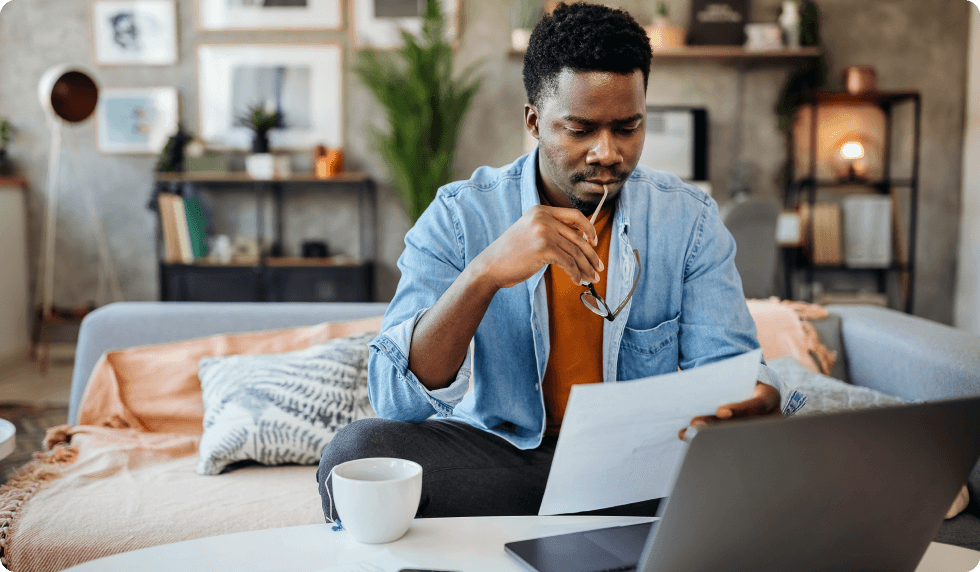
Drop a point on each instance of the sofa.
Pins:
(893, 353)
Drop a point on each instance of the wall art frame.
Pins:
(230, 15)
(136, 120)
(369, 30)
(134, 32)
(304, 82)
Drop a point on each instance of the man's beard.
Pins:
(589, 207)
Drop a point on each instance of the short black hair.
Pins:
(584, 37)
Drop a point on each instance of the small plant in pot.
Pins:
(262, 119)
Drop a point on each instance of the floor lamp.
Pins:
(69, 96)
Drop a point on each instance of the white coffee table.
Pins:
(8, 438)
(463, 544)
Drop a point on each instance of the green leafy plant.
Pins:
(425, 106)
(261, 119)
(5, 132)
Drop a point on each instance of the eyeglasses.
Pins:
(594, 301)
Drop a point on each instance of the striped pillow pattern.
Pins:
(282, 408)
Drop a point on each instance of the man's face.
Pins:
(590, 132)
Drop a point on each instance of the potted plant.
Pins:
(261, 119)
(6, 168)
(425, 106)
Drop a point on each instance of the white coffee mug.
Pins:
(377, 498)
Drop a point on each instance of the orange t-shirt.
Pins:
(574, 330)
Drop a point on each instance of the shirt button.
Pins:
(537, 386)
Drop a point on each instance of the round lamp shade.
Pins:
(68, 92)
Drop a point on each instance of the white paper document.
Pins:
(618, 441)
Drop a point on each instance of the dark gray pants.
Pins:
(465, 471)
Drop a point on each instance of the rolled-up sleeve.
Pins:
(432, 260)
(715, 320)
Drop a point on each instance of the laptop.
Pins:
(860, 490)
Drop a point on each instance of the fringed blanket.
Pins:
(112, 490)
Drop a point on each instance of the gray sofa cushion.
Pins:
(829, 331)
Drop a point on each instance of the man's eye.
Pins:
(578, 132)
(628, 130)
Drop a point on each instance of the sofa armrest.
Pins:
(129, 324)
(907, 356)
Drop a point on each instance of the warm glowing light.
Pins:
(852, 150)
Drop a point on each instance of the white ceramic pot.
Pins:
(377, 498)
(260, 166)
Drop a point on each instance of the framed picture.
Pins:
(376, 23)
(269, 14)
(304, 83)
(136, 120)
(142, 32)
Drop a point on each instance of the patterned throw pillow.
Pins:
(282, 408)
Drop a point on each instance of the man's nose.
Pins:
(604, 151)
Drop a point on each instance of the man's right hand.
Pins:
(544, 235)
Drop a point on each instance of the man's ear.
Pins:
(531, 118)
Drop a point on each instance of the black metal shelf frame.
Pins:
(807, 186)
(269, 282)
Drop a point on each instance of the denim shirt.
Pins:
(688, 309)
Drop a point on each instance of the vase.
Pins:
(260, 166)
(6, 166)
(260, 143)
(664, 35)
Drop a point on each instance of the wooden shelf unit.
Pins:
(275, 278)
(723, 54)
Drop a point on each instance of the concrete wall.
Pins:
(913, 44)
(968, 268)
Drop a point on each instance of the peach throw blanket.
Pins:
(155, 388)
(128, 490)
(125, 477)
(783, 332)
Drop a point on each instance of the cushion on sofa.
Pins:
(280, 409)
(155, 388)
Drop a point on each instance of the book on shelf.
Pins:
(197, 225)
(176, 231)
(168, 224)
(183, 233)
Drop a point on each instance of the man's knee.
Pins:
(359, 440)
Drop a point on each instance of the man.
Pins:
(501, 260)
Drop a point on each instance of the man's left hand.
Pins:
(764, 401)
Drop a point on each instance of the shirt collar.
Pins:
(529, 182)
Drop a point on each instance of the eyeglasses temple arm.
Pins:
(636, 253)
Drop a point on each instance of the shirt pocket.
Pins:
(643, 353)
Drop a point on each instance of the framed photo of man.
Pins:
(376, 23)
(302, 82)
(135, 32)
(269, 14)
